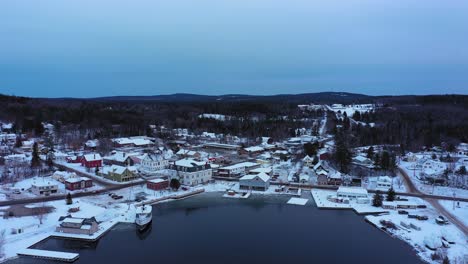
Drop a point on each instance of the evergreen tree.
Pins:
(446, 260)
(19, 142)
(174, 184)
(461, 170)
(377, 199)
(370, 152)
(35, 161)
(385, 160)
(391, 194)
(342, 153)
(69, 199)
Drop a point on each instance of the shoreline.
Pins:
(215, 189)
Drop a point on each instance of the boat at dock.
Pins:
(143, 217)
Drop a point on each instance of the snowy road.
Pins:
(433, 201)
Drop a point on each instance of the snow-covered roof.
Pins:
(260, 170)
(92, 157)
(384, 179)
(157, 180)
(189, 163)
(353, 190)
(119, 169)
(307, 158)
(254, 149)
(76, 179)
(240, 165)
(262, 176)
(73, 220)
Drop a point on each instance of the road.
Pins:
(433, 200)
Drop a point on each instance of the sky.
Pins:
(89, 48)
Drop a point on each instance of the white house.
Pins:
(152, 163)
(433, 169)
(44, 188)
(308, 161)
(237, 170)
(191, 172)
(384, 183)
(351, 192)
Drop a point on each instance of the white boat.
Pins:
(144, 216)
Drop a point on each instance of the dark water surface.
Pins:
(211, 229)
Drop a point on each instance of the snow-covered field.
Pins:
(33, 231)
(460, 211)
(7, 190)
(431, 189)
(414, 237)
(350, 109)
(429, 228)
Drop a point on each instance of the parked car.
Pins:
(402, 212)
(422, 206)
(422, 217)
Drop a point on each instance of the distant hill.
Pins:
(324, 97)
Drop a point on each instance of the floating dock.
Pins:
(49, 255)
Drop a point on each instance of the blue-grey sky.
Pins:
(87, 48)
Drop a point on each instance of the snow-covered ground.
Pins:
(460, 210)
(371, 184)
(320, 198)
(430, 189)
(33, 231)
(429, 228)
(414, 237)
(91, 172)
(350, 109)
(7, 190)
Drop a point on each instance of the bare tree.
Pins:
(40, 212)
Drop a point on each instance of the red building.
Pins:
(78, 183)
(157, 184)
(91, 160)
(74, 159)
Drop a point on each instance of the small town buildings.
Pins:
(319, 166)
(185, 153)
(308, 161)
(433, 170)
(44, 188)
(267, 170)
(137, 141)
(361, 160)
(253, 150)
(351, 192)
(152, 163)
(191, 172)
(384, 183)
(120, 158)
(335, 178)
(61, 176)
(322, 178)
(304, 178)
(120, 173)
(157, 184)
(78, 183)
(237, 170)
(78, 226)
(91, 160)
(257, 182)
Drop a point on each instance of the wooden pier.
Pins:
(49, 255)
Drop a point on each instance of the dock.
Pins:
(49, 255)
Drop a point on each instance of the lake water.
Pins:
(211, 229)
